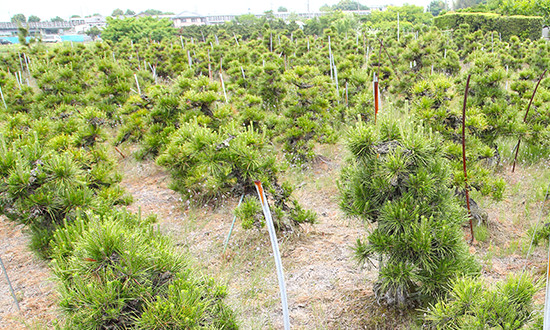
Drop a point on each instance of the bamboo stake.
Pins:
(389, 57)
(276, 254)
(9, 284)
(464, 159)
(120, 152)
(525, 119)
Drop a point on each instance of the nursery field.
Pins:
(128, 170)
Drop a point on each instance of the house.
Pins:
(187, 18)
(82, 25)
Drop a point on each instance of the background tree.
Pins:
(129, 12)
(436, 6)
(22, 35)
(152, 12)
(34, 19)
(460, 4)
(57, 19)
(138, 29)
(19, 18)
(282, 10)
(344, 5)
(93, 32)
(117, 12)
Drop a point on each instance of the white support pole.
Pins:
(223, 87)
(137, 83)
(242, 72)
(276, 254)
(397, 27)
(3, 101)
(546, 324)
(331, 61)
(189, 60)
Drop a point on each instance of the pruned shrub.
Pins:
(208, 165)
(116, 272)
(398, 178)
(472, 304)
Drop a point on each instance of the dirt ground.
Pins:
(30, 278)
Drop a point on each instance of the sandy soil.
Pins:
(29, 277)
(324, 284)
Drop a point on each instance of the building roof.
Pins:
(187, 14)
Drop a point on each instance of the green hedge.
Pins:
(521, 26)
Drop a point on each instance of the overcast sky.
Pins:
(46, 9)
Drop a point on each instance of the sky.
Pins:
(46, 9)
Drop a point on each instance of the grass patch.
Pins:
(481, 233)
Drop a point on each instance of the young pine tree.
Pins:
(398, 178)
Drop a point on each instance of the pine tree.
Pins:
(398, 178)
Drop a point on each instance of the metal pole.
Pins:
(232, 225)
(276, 254)
(137, 83)
(9, 284)
(3, 101)
(546, 324)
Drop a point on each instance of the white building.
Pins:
(188, 18)
(82, 25)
